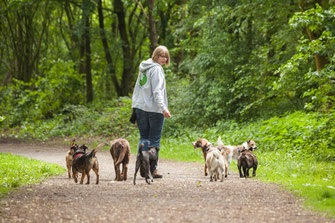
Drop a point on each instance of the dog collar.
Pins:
(77, 155)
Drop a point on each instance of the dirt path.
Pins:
(183, 195)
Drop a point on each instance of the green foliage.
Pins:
(16, 171)
(43, 97)
(109, 118)
(298, 74)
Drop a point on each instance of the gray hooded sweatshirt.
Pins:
(150, 92)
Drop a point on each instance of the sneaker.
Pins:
(155, 174)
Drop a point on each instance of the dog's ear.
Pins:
(72, 142)
(248, 141)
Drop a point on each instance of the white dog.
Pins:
(216, 164)
(233, 152)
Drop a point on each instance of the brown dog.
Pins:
(83, 163)
(120, 151)
(204, 145)
(246, 161)
(233, 152)
(69, 158)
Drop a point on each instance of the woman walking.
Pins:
(149, 101)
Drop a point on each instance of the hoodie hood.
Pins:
(147, 64)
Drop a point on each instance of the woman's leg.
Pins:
(143, 125)
(156, 122)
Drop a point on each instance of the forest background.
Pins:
(240, 69)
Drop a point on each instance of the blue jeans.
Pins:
(150, 125)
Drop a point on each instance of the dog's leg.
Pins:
(244, 171)
(68, 169)
(118, 174)
(254, 170)
(221, 173)
(239, 166)
(75, 175)
(149, 179)
(205, 169)
(124, 171)
(210, 175)
(229, 161)
(88, 177)
(247, 174)
(137, 166)
(82, 177)
(96, 171)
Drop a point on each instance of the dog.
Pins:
(120, 151)
(233, 152)
(216, 164)
(83, 163)
(69, 156)
(246, 161)
(146, 161)
(204, 145)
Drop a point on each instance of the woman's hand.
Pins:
(166, 114)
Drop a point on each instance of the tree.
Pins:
(24, 25)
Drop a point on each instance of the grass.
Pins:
(16, 171)
(312, 180)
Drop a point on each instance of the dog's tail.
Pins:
(140, 150)
(92, 153)
(122, 154)
(219, 142)
(101, 145)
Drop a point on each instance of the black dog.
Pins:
(146, 161)
(83, 163)
(247, 160)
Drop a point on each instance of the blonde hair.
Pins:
(161, 51)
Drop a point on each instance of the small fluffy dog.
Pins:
(233, 152)
(246, 161)
(146, 160)
(83, 163)
(69, 158)
(204, 145)
(216, 164)
(120, 151)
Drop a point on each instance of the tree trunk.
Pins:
(127, 75)
(106, 49)
(152, 27)
(87, 51)
(320, 60)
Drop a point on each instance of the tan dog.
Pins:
(120, 151)
(69, 158)
(204, 145)
(217, 166)
(233, 152)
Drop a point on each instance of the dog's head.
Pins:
(83, 148)
(73, 149)
(250, 145)
(153, 150)
(201, 143)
